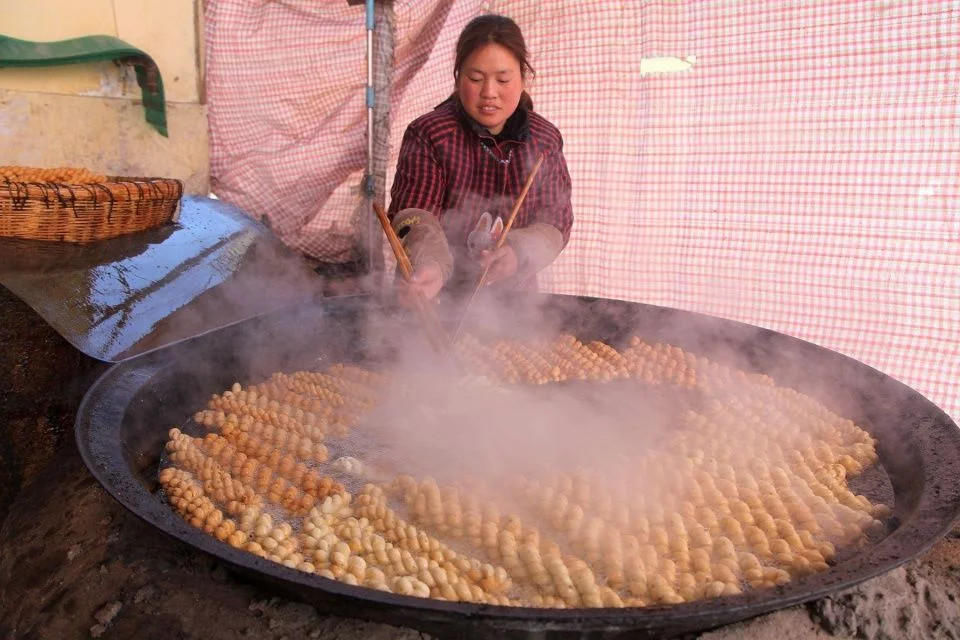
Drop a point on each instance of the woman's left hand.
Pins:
(503, 263)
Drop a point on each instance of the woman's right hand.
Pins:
(427, 281)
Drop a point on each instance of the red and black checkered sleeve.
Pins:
(553, 202)
(420, 181)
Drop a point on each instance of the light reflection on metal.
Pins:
(119, 297)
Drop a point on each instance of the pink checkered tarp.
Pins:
(802, 175)
(287, 110)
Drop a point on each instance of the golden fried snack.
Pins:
(277, 477)
(67, 175)
(659, 363)
(254, 408)
(235, 494)
(371, 504)
(189, 500)
(532, 562)
(347, 545)
(243, 429)
(748, 492)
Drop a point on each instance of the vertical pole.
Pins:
(371, 240)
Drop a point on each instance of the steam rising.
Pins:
(538, 465)
(452, 428)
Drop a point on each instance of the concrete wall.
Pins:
(90, 114)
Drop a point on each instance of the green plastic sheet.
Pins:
(24, 53)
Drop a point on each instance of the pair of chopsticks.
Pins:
(438, 338)
(503, 237)
(436, 335)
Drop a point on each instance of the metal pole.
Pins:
(372, 237)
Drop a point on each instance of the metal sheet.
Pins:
(119, 297)
(121, 428)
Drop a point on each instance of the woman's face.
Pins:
(489, 85)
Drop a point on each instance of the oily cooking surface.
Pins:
(675, 479)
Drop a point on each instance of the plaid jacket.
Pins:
(454, 168)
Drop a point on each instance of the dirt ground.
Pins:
(75, 564)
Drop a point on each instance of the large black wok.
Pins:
(123, 421)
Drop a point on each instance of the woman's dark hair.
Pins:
(494, 29)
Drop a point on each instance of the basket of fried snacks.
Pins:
(67, 204)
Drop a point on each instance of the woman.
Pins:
(471, 155)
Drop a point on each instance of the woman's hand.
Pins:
(503, 263)
(427, 281)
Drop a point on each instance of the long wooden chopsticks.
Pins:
(503, 237)
(435, 333)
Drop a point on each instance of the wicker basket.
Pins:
(87, 212)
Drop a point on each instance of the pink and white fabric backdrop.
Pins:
(803, 175)
(287, 109)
